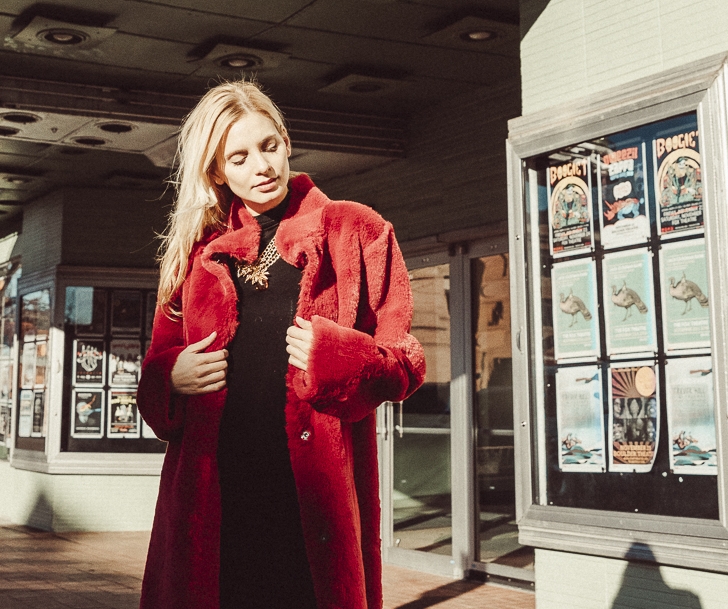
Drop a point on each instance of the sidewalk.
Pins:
(41, 570)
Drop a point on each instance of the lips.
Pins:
(267, 184)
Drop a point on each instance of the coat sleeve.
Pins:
(162, 410)
(350, 372)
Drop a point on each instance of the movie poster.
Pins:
(575, 314)
(88, 413)
(41, 363)
(125, 362)
(691, 415)
(579, 417)
(126, 312)
(25, 413)
(685, 297)
(27, 365)
(678, 184)
(148, 432)
(633, 416)
(123, 415)
(38, 430)
(624, 217)
(5, 422)
(88, 363)
(570, 208)
(629, 311)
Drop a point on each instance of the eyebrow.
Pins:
(262, 143)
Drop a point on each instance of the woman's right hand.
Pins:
(196, 372)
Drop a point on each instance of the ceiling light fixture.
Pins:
(116, 127)
(8, 131)
(21, 118)
(89, 141)
(63, 36)
(17, 180)
(241, 61)
(478, 35)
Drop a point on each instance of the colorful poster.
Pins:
(576, 318)
(126, 311)
(41, 363)
(123, 415)
(629, 311)
(685, 298)
(5, 422)
(125, 362)
(25, 413)
(88, 413)
(633, 416)
(88, 364)
(580, 420)
(678, 184)
(570, 208)
(38, 415)
(148, 432)
(691, 415)
(27, 365)
(624, 217)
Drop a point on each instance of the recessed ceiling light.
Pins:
(240, 61)
(22, 118)
(365, 87)
(89, 141)
(63, 36)
(17, 180)
(116, 127)
(477, 35)
(7, 131)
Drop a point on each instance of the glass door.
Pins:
(415, 439)
(496, 529)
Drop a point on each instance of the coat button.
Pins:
(305, 435)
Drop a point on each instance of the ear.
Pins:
(216, 176)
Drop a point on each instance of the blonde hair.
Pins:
(200, 204)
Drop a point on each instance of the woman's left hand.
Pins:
(299, 339)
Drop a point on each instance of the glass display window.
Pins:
(617, 222)
(107, 331)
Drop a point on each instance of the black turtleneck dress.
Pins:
(263, 563)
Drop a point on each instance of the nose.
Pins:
(259, 162)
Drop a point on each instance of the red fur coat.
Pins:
(355, 289)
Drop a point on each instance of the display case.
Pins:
(83, 335)
(618, 213)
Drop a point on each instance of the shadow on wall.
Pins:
(643, 585)
(41, 514)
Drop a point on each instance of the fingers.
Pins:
(203, 344)
(304, 323)
(298, 363)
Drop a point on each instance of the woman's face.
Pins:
(254, 162)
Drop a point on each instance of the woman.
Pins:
(282, 323)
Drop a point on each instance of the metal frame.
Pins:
(701, 86)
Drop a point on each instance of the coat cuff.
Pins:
(160, 408)
(348, 373)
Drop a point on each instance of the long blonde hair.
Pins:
(200, 204)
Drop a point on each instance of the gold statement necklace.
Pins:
(257, 271)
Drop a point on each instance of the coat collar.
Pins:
(299, 234)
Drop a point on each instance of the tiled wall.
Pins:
(580, 47)
(576, 580)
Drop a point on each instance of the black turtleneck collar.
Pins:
(270, 220)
